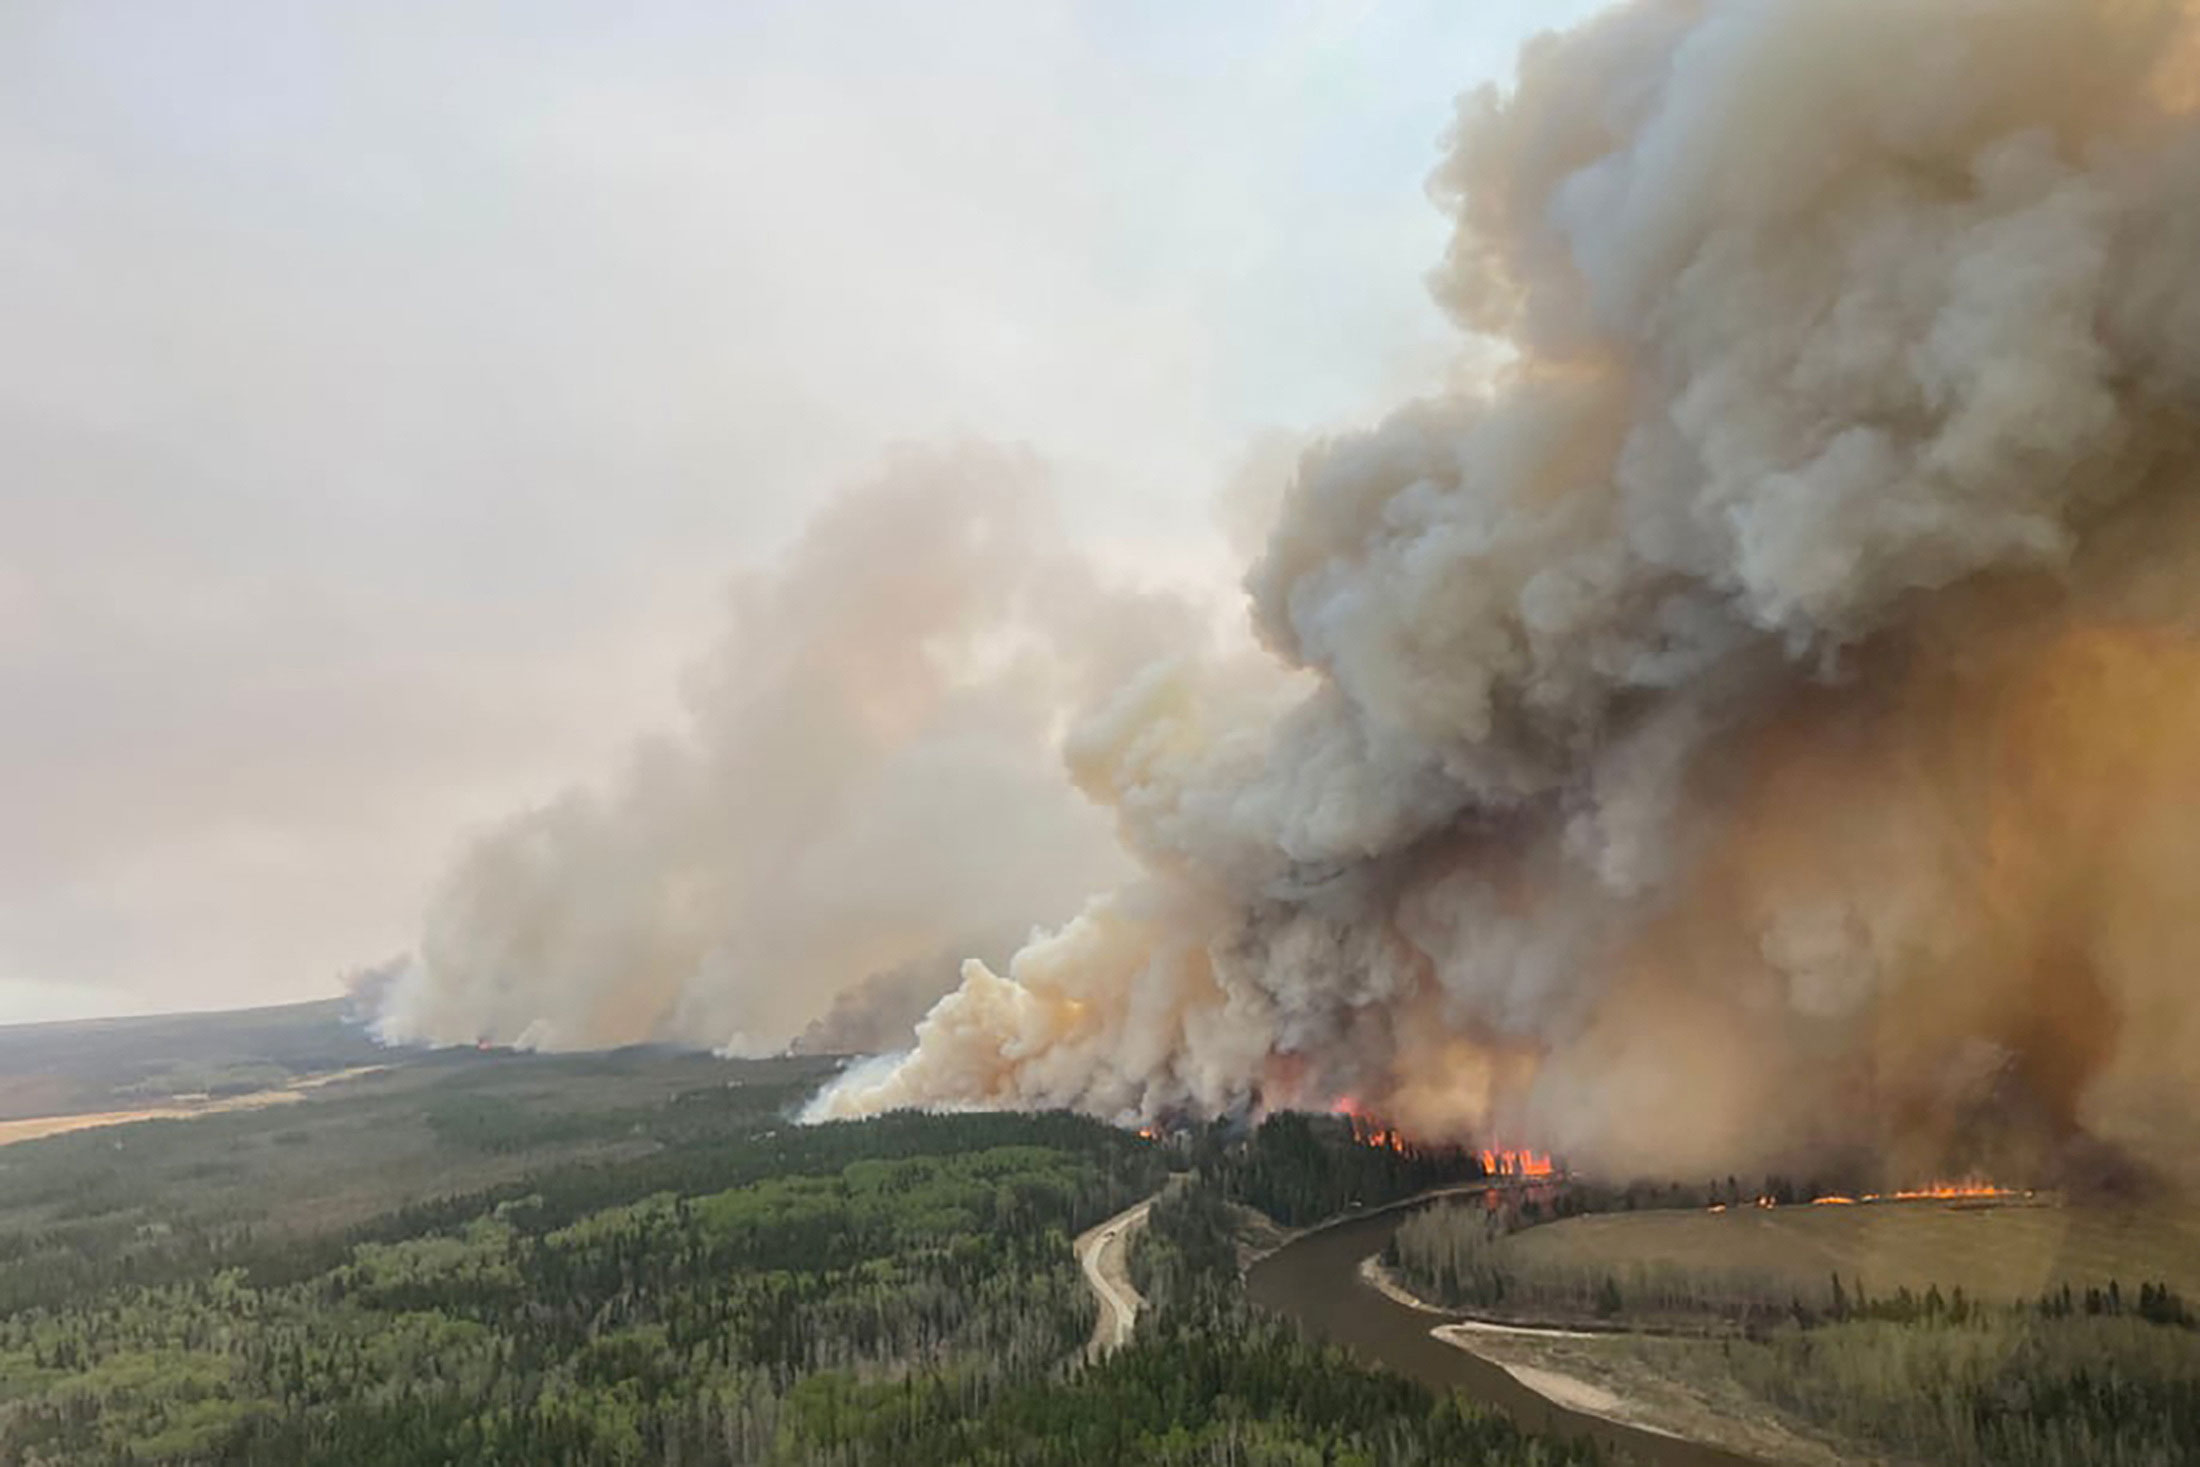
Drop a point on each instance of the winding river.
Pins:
(1315, 1282)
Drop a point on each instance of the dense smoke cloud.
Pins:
(868, 777)
(1759, 723)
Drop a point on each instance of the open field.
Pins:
(1994, 1252)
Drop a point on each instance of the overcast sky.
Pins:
(388, 389)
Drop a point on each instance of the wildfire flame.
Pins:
(1946, 1191)
(1969, 1188)
(1497, 1161)
(1366, 1128)
(1503, 1161)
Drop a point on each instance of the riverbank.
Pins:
(1315, 1283)
(1481, 1337)
(1261, 1235)
(1616, 1376)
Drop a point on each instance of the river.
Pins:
(1315, 1282)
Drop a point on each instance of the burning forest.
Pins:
(1752, 726)
(1756, 724)
(1496, 1161)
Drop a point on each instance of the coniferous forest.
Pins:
(637, 1258)
(641, 1257)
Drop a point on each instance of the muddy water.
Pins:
(1315, 1283)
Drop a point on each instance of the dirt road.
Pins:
(1104, 1253)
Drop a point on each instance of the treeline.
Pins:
(1300, 1169)
(2001, 1386)
(1452, 1255)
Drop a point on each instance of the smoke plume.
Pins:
(867, 776)
(1764, 720)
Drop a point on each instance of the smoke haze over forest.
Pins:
(1728, 698)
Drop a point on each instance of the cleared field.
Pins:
(2006, 1251)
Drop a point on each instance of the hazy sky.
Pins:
(387, 390)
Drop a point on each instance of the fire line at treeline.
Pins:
(1497, 1161)
(1529, 1165)
(1369, 1130)
(1526, 1164)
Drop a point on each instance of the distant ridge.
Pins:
(74, 1066)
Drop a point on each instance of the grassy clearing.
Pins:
(2006, 1253)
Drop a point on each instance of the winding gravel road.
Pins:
(1104, 1253)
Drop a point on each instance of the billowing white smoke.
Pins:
(868, 779)
(1616, 788)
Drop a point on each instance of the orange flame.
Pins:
(1497, 1161)
(1374, 1133)
(1366, 1129)
(1502, 1161)
(1949, 1191)
(1968, 1188)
